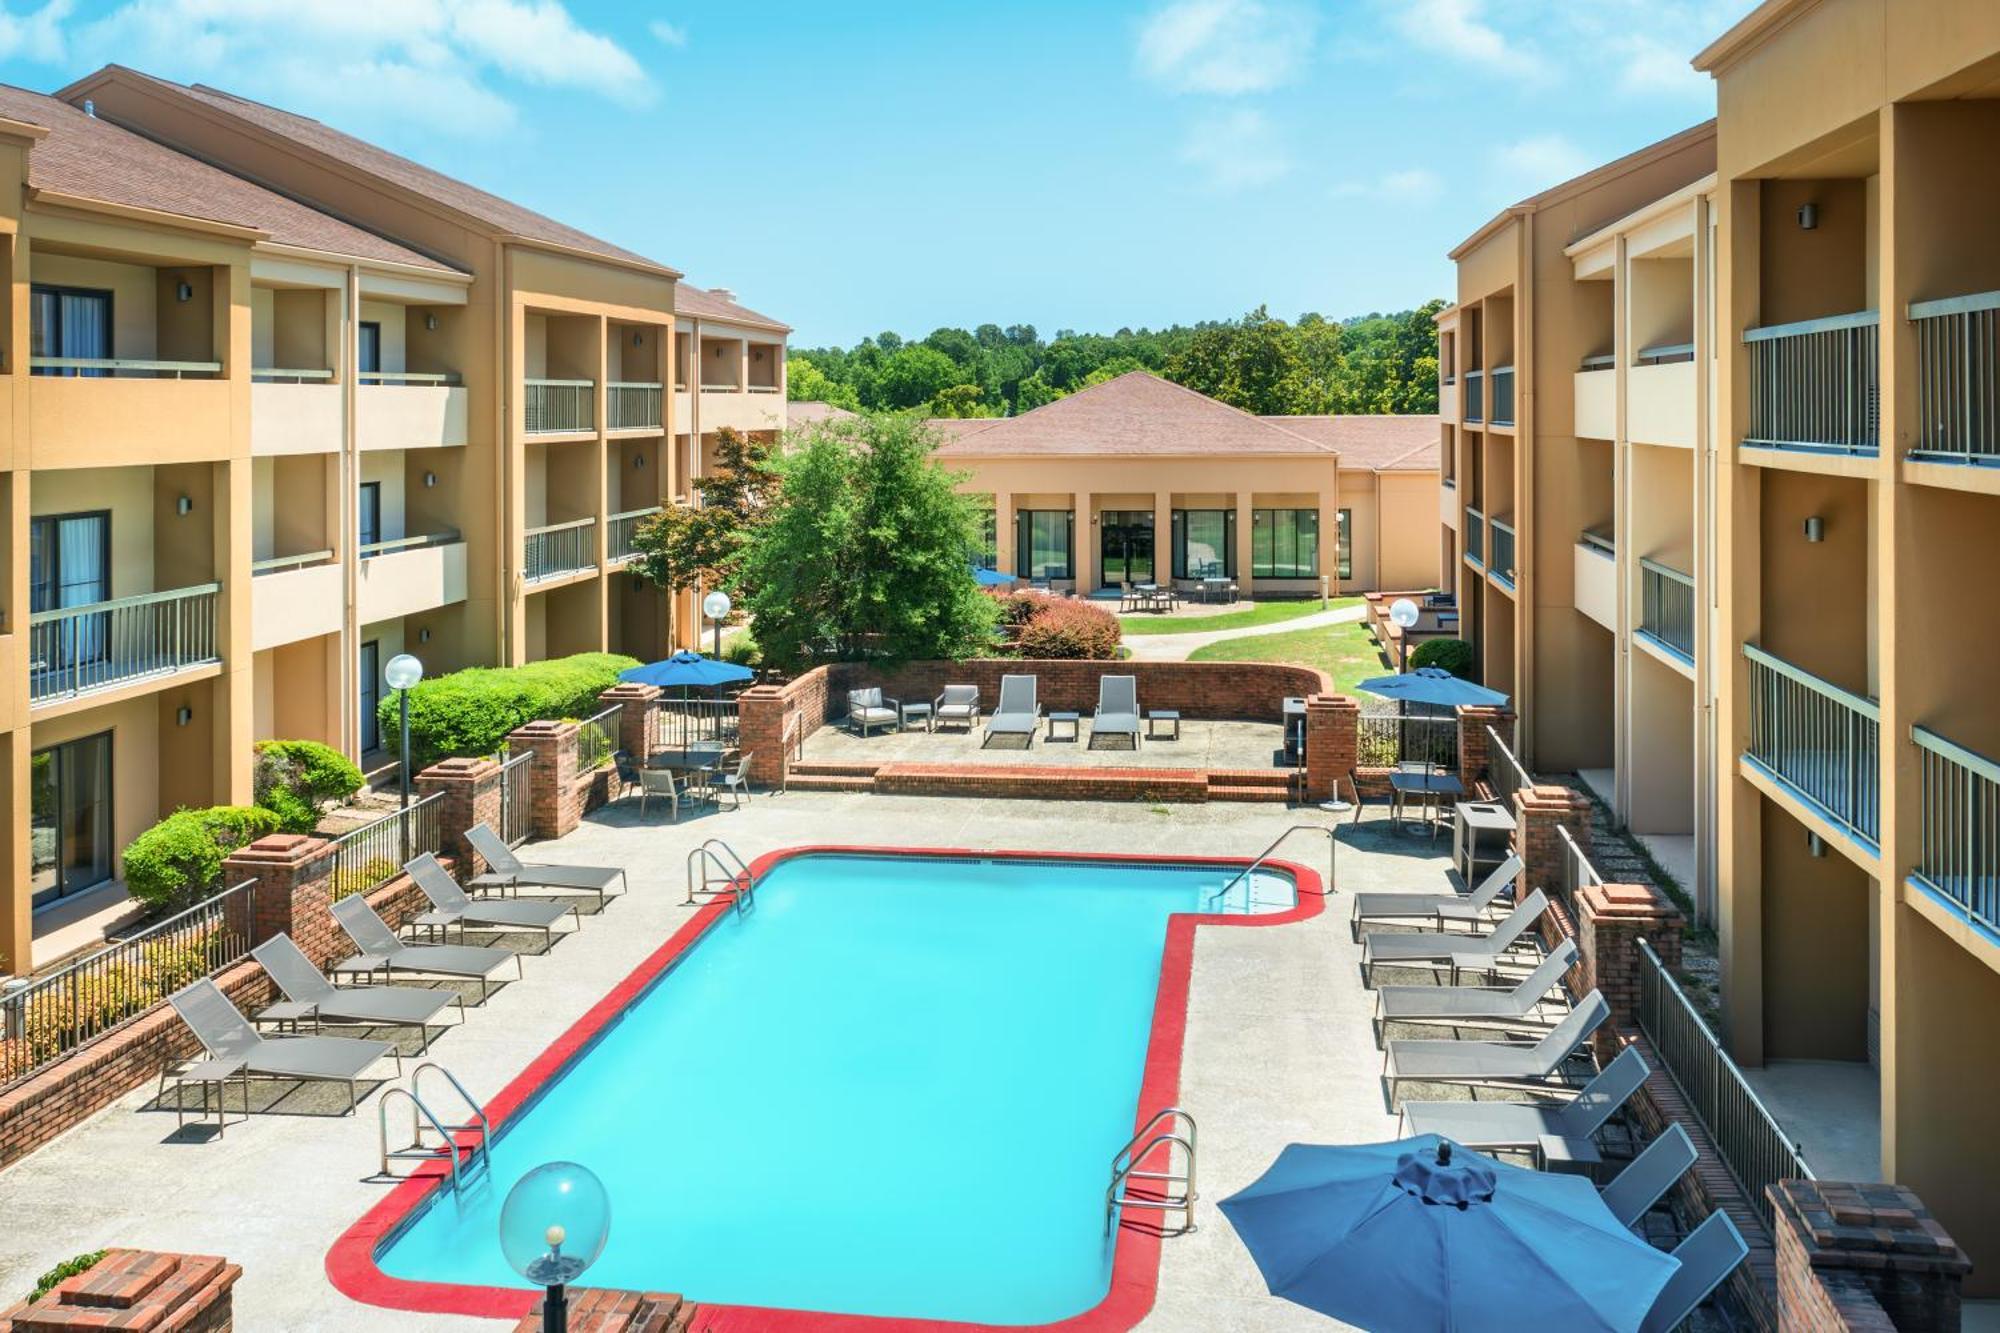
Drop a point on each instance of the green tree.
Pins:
(684, 546)
(961, 400)
(805, 382)
(1034, 391)
(911, 376)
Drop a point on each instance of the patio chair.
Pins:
(867, 708)
(660, 784)
(1647, 1177)
(1476, 1006)
(1438, 907)
(1128, 597)
(227, 1035)
(381, 950)
(1531, 1126)
(628, 773)
(308, 994)
(1493, 1062)
(958, 703)
(737, 784)
(1018, 714)
(1708, 1256)
(1117, 712)
(1440, 950)
(450, 907)
(507, 870)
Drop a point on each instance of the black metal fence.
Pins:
(516, 800)
(1386, 740)
(679, 723)
(368, 857)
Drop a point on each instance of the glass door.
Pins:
(1126, 543)
(369, 347)
(69, 565)
(68, 323)
(69, 819)
(371, 514)
(371, 694)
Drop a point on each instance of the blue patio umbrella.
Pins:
(1433, 685)
(991, 578)
(1424, 1236)
(687, 670)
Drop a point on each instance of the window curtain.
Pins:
(1204, 543)
(1044, 543)
(1284, 543)
(81, 579)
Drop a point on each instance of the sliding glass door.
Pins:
(1045, 543)
(69, 323)
(69, 565)
(1204, 543)
(371, 694)
(69, 820)
(1126, 540)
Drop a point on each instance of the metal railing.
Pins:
(279, 564)
(632, 405)
(596, 738)
(1386, 740)
(1475, 537)
(1504, 773)
(1165, 1189)
(1601, 361)
(1502, 561)
(1815, 384)
(1666, 607)
(1475, 395)
(1745, 1133)
(560, 548)
(1958, 378)
(407, 377)
(680, 723)
(369, 550)
(1603, 544)
(560, 405)
(106, 367)
(620, 530)
(77, 649)
(762, 388)
(1961, 841)
(1818, 739)
(280, 375)
(47, 1017)
(1666, 354)
(1577, 871)
(517, 810)
(1503, 396)
(366, 858)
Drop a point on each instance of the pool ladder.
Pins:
(1332, 859)
(423, 1118)
(708, 872)
(1172, 1191)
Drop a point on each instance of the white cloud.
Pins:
(1529, 166)
(1236, 150)
(36, 35)
(1414, 185)
(1226, 47)
(538, 41)
(1460, 30)
(668, 34)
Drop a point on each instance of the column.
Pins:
(137, 1289)
(1085, 566)
(1538, 813)
(17, 922)
(1329, 531)
(760, 731)
(555, 797)
(471, 790)
(1163, 538)
(1475, 760)
(1005, 557)
(293, 894)
(601, 488)
(1611, 919)
(635, 720)
(1243, 579)
(1333, 725)
(1863, 1257)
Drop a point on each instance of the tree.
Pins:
(961, 400)
(911, 376)
(805, 382)
(1033, 392)
(866, 551)
(685, 546)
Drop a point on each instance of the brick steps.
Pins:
(1250, 785)
(822, 769)
(829, 782)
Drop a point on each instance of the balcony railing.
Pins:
(369, 550)
(1475, 538)
(95, 367)
(1502, 562)
(1961, 844)
(1504, 772)
(406, 377)
(1814, 385)
(82, 648)
(1503, 396)
(1475, 395)
(1600, 543)
(1822, 742)
(631, 405)
(762, 388)
(560, 405)
(1666, 608)
(620, 529)
(560, 548)
(1666, 354)
(279, 564)
(280, 375)
(1958, 378)
(1602, 361)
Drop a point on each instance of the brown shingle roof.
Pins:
(94, 159)
(1137, 414)
(811, 411)
(957, 428)
(1380, 443)
(704, 304)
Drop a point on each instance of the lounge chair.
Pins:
(1708, 1256)
(1117, 712)
(382, 951)
(450, 907)
(308, 994)
(1476, 1006)
(1440, 950)
(867, 708)
(1531, 1126)
(508, 870)
(1647, 1177)
(958, 703)
(229, 1037)
(1018, 714)
(1438, 908)
(1496, 1062)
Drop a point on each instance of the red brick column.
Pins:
(555, 796)
(293, 894)
(594, 1310)
(636, 726)
(1474, 762)
(1610, 921)
(1333, 740)
(760, 725)
(138, 1289)
(1864, 1257)
(471, 790)
(1538, 813)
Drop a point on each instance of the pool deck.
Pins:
(1279, 1049)
(1202, 745)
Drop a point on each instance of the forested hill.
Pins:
(1369, 364)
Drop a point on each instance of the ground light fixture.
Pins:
(716, 606)
(553, 1226)
(402, 674)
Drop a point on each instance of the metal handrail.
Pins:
(1125, 1167)
(1577, 869)
(175, 368)
(1599, 543)
(1601, 361)
(121, 603)
(1512, 777)
(761, 388)
(623, 384)
(1860, 319)
(1666, 354)
(1332, 859)
(380, 377)
(274, 374)
(278, 562)
(420, 1111)
(561, 527)
(1500, 554)
(1955, 305)
(1859, 703)
(448, 537)
(738, 882)
(635, 513)
(721, 388)
(1646, 562)
(561, 384)
(1960, 857)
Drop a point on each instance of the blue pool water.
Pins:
(893, 1088)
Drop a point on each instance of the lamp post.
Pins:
(553, 1226)
(402, 674)
(716, 606)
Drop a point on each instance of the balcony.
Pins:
(634, 405)
(1666, 609)
(409, 575)
(1448, 502)
(1960, 863)
(409, 410)
(1501, 563)
(1596, 579)
(1475, 538)
(1597, 399)
(1659, 396)
(558, 407)
(1820, 742)
(1503, 395)
(1958, 379)
(91, 412)
(559, 549)
(1475, 396)
(620, 529)
(294, 412)
(294, 597)
(86, 649)
(1814, 385)
(1448, 398)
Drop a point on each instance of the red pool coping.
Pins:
(1135, 1265)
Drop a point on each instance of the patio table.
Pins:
(1072, 720)
(1480, 836)
(1429, 789)
(699, 761)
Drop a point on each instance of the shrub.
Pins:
(1017, 609)
(178, 861)
(1071, 629)
(469, 713)
(1453, 655)
(296, 780)
(68, 1268)
(743, 651)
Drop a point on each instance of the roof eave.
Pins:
(635, 263)
(401, 268)
(153, 216)
(1748, 33)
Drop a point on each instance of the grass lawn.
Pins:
(1344, 652)
(1264, 613)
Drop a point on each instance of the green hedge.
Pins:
(68, 1268)
(178, 861)
(1454, 655)
(296, 780)
(469, 713)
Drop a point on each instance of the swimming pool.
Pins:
(892, 1090)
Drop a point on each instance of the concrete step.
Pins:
(823, 769)
(829, 782)
(1278, 789)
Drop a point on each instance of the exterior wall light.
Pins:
(430, 480)
(424, 634)
(639, 339)
(1815, 529)
(183, 716)
(639, 463)
(184, 506)
(1808, 216)
(184, 292)
(431, 323)
(1815, 844)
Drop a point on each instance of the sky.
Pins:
(882, 164)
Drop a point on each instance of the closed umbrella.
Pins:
(1433, 685)
(689, 671)
(1424, 1236)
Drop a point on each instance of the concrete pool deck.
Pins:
(1279, 1048)
(1201, 745)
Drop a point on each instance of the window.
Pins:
(371, 513)
(69, 322)
(69, 817)
(369, 349)
(371, 694)
(1346, 547)
(1204, 543)
(1045, 543)
(988, 554)
(1284, 543)
(69, 565)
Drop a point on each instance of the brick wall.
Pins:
(1611, 919)
(594, 1310)
(1043, 781)
(1474, 763)
(471, 789)
(1865, 1257)
(1332, 743)
(135, 1289)
(558, 792)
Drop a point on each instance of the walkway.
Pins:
(1177, 647)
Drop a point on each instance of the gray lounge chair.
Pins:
(1650, 1175)
(1018, 714)
(1438, 908)
(1531, 1126)
(1460, 953)
(308, 994)
(1496, 1062)
(958, 703)
(227, 1035)
(450, 907)
(867, 709)
(1708, 1256)
(382, 951)
(1476, 1006)
(508, 870)
(1117, 712)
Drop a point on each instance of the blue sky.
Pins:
(886, 165)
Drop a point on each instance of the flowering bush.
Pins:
(1070, 629)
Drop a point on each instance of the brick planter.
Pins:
(1611, 919)
(592, 1310)
(1864, 1257)
(136, 1289)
